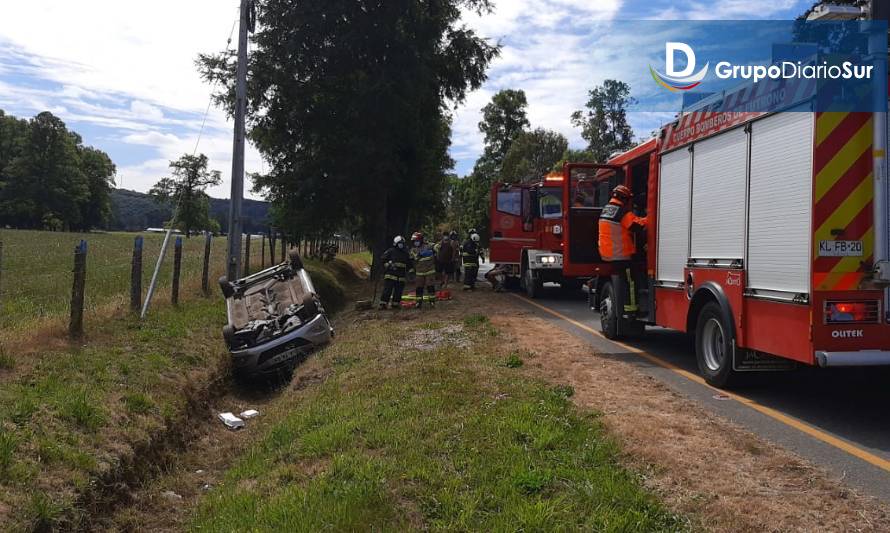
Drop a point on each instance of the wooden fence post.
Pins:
(177, 264)
(246, 268)
(75, 326)
(205, 272)
(262, 251)
(136, 276)
(283, 246)
(271, 245)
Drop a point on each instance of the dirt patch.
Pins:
(309, 379)
(435, 338)
(699, 463)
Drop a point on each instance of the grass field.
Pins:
(427, 424)
(71, 412)
(36, 279)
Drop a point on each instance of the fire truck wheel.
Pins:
(713, 346)
(532, 284)
(608, 312)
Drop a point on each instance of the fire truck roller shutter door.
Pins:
(780, 212)
(719, 174)
(673, 215)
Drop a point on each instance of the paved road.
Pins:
(835, 418)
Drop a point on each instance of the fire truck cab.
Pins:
(533, 236)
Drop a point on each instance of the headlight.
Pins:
(546, 259)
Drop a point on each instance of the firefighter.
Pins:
(472, 255)
(497, 276)
(617, 225)
(397, 262)
(455, 246)
(444, 260)
(424, 258)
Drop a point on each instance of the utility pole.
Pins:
(233, 260)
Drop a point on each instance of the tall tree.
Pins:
(186, 190)
(502, 120)
(604, 124)
(45, 185)
(533, 154)
(349, 105)
(99, 171)
(49, 179)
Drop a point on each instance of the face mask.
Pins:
(417, 244)
(400, 245)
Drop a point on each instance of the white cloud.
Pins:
(127, 66)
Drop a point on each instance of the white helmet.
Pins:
(475, 237)
(399, 241)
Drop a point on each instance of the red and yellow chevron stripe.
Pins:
(843, 194)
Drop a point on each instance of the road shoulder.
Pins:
(700, 463)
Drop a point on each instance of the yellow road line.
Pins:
(799, 425)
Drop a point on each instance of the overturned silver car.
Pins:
(275, 317)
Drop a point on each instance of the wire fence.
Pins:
(37, 269)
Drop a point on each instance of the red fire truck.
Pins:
(546, 231)
(767, 241)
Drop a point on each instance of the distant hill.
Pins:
(135, 211)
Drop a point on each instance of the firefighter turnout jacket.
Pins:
(616, 225)
(397, 262)
(424, 260)
(471, 253)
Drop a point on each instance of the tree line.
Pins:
(49, 179)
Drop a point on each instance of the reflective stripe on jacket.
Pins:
(470, 253)
(397, 263)
(424, 260)
(616, 240)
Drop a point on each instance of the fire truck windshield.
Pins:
(550, 202)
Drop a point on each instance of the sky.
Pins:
(122, 74)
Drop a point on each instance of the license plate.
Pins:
(283, 356)
(840, 249)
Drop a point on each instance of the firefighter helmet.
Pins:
(398, 240)
(417, 237)
(475, 237)
(621, 192)
(473, 232)
(453, 235)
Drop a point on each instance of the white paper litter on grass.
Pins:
(231, 421)
(250, 413)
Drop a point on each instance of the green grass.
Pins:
(36, 278)
(66, 413)
(513, 361)
(443, 440)
(137, 403)
(7, 361)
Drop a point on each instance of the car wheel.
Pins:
(226, 287)
(714, 346)
(228, 332)
(608, 312)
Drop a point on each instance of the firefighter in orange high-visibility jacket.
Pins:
(617, 225)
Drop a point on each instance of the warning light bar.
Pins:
(553, 177)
